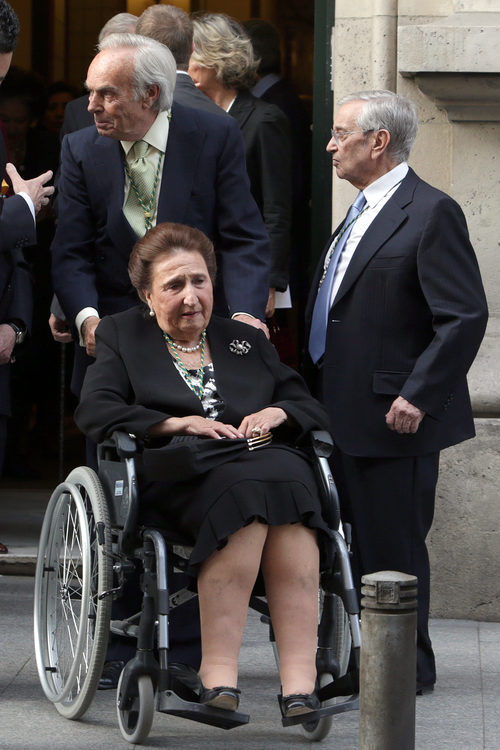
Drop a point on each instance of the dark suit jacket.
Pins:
(203, 185)
(407, 320)
(186, 93)
(76, 116)
(135, 384)
(268, 153)
(283, 96)
(17, 229)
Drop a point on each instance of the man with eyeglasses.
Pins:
(396, 315)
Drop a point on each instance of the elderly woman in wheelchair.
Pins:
(223, 426)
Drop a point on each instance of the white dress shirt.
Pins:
(377, 194)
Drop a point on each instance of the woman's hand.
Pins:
(194, 425)
(262, 421)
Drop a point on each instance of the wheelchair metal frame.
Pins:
(89, 530)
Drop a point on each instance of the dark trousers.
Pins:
(390, 504)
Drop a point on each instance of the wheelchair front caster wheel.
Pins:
(136, 720)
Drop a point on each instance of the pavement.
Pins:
(463, 713)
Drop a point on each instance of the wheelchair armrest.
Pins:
(322, 446)
(321, 443)
(125, 444)
(116, 462)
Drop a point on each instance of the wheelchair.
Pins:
(90, 541)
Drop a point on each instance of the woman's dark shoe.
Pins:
(299, 703)
(227, 698)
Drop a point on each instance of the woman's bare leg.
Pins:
(225, 584)
(290, 564)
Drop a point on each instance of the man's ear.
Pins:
(381, 140)
(151, 95)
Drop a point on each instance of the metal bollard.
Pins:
(388, 661)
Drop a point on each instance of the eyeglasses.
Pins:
(340, 136)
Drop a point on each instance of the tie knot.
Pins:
(359, 202)
(140, 149)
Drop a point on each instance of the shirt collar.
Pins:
(157, 134)
(379, 189)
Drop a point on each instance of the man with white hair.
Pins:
(198, 161)
(76, 114)
(396, 315)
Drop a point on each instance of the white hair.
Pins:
(385, 110)
(153, 64)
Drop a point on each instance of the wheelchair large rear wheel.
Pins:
(71, 620)
(135, 721)
(315, 731)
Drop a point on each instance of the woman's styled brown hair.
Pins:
(164, 240)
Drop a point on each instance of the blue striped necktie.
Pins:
(319, 324)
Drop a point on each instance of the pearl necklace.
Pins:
(185, 349)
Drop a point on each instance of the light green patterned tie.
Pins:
(139, 206)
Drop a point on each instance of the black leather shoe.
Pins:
(425, 688)
(227, 698)
(110, 675)
(185, 674)
(299, 703)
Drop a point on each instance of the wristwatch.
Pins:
(20, 332)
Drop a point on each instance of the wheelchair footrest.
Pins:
(170, 703)
(350, 704)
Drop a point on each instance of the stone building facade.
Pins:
(443, 54)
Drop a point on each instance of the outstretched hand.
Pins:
(35, 188)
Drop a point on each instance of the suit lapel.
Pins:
(317, 276)
(380, 230)
(242, 108)
(184, 145)
(232, 372)
(222, 358)
(108, 162)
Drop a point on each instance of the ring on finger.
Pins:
(257, 431)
